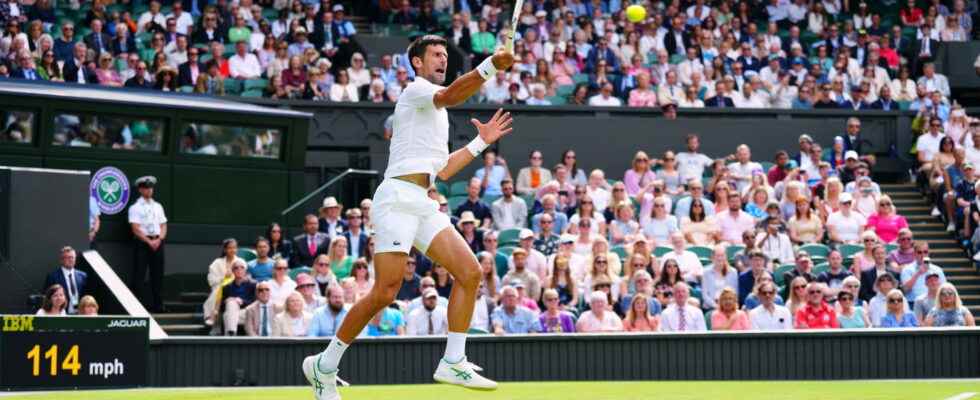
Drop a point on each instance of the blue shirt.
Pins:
(557, 227)
(324, 323)
(497, 174)
(919, 287)
(522, 321)
(908, 321)
(261, 271)
(652, 304)
(751, 302)
(391, 319)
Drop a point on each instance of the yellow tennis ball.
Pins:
(636, 13)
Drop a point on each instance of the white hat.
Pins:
(541, 13)
(566, 238)
(467, 216)
(845, 197)
(338, 7)
(851, 154)
(525, 234)
(429, 292)
(330, 202)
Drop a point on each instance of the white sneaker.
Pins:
(462, 374)
(951, 227)
(324, 384)
(935, 212)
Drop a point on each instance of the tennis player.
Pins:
(404, 216)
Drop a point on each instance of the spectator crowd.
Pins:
(801, 54)
(684, 242)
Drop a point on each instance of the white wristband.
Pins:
(476, 146)
(486, 69)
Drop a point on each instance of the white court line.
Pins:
(963, 396)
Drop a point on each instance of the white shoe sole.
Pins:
(450, 382)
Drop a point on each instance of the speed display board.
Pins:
(72, 352)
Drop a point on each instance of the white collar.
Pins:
(66, 271)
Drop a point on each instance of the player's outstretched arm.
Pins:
(489, 132)
(470, 83)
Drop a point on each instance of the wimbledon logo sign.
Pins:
(110, 189)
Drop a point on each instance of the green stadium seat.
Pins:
(256, 84)
(205, 58)
(703, 252)
(458, 188)
(489, 198)
(442, 188)
(252, 93)
(558, 100)
(849, 250)
(659, 251)
(508, 237)
(529, 202)
(506, 250)
(233, 87)
(580, 78)
(777, 274)
(891, 247)
(732, 250)
(293, 273)
(186, 89)
(707, 318)
(247, 254)
(502, 266)
(818, 252)
(477, 331)
(455, 201)
(620, 250)
(146, 55)
(820, 268)
(564, 90)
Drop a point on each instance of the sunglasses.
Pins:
(922, 252)
(767, 292)
(551, 299)
(600, 261)
(280, 268)
(845, 298)
(667, 294)
(814, 292)
(618, 190)
(947, 293)
(894, 301)
(262, 290)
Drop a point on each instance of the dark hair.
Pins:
(47, 304)
(225, 243)
(944, 141)
(691, 214)
(418, 47)
(574, 168)
(268, 232)
(261, 239)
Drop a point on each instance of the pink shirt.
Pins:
(739, 321)
(641, 98)
(887, 228)
(732, 227)
(634, 182)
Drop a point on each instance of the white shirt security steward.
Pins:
(148, 215)
(421, 132)
(691, 165)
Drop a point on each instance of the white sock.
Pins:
(332, 355)
(455, 347)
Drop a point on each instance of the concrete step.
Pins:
(920, 218)
(184, 307)
(914, 210)
(942, 244)
(898, 187)
(964, 279)
(952, 262)
(906, 195)
(926, 235)
(186, 329)
(950, 271)
(931, 226)
(179, 318)
(968, 289)
(194, 297)
(909, 201)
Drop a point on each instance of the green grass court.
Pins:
(864, 390)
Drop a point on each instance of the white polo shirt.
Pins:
(148, 214)
(928, 144)
(420, 140)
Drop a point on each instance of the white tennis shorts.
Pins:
(403, 216)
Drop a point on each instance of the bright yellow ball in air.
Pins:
(636, 13)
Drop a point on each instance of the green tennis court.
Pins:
(864, 390)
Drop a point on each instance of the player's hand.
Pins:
(496, 127)
(502, 59)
